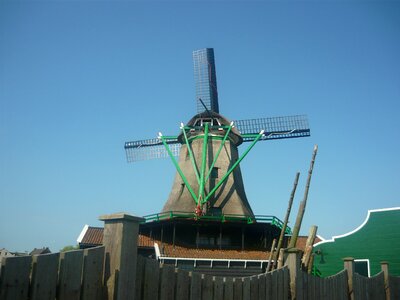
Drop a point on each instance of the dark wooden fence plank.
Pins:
(394, 286)
(207, 287)
(286, 283)
(93, 270)
(246, 288)
(70, 275)
(14, 278)
(141, 261)
(218, 288)
(254, 287)
(274, 284)
(268, 286)
(376, 287)
(301, 286)
(167, 283)
(228, 288)
(195, 286)
(44, 276)
(261, 287)
(183, 279)
(279, 283)
(151, 279)
(238, 289)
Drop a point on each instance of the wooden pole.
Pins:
(385, 270)
(293, 263)
(285, 222)
(349, 266)
(303, 203)
(270, 256)
(309, 247)
(120, 241)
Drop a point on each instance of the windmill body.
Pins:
(230, 197)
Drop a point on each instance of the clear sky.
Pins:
(79, 78)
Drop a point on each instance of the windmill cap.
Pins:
(216, 120)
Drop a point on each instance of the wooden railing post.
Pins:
(349, 266)
(385, 270)
(292, 261)
(120, 241)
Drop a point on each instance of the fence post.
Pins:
(385, 270)
(120, 241)
(349, 266)
(293, 263)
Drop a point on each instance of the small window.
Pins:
(361, 266)
(214, 173)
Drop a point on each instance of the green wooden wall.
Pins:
(378, 239)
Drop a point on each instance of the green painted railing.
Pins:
(221, 218)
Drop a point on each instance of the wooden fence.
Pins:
(165, 282)
(65, 276)
(114, 271)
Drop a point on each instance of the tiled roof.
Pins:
(184, 252)
(91, 236)
(302, 240)
(39, 251)
(94, 236)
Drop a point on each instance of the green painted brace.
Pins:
(190, 153)
(224, 178)
(163, 139)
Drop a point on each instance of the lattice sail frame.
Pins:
(274, 128)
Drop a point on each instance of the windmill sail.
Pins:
(275, 128)
(206, 80)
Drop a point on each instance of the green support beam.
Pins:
(196, 200)
(203, 165)
(257, 137)
(190, 154)
(219, 150)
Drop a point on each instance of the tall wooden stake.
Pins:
(285, 222)
(303, 203)
(270, 256)
(309, 247)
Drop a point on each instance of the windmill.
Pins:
(208, 181)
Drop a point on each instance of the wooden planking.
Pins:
(70, 274)
(369, 288)
(195, 286)
(207, 287)
(237, 288)
(218, 288)
(140, 267)
(44, 276)
(14, 280)
(279, 274)
(167, 283)
(183, 279)
(228, 288)
(254, 287)
(394, 286)
(376, 287)
(151, 279)
(274, 284)
(261, 286)
(93, 268)
(246, 288)
(286, 283)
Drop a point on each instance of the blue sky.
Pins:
(79, 78)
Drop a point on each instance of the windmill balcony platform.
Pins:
(176, 215)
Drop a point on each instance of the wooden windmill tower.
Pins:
(207, 206)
